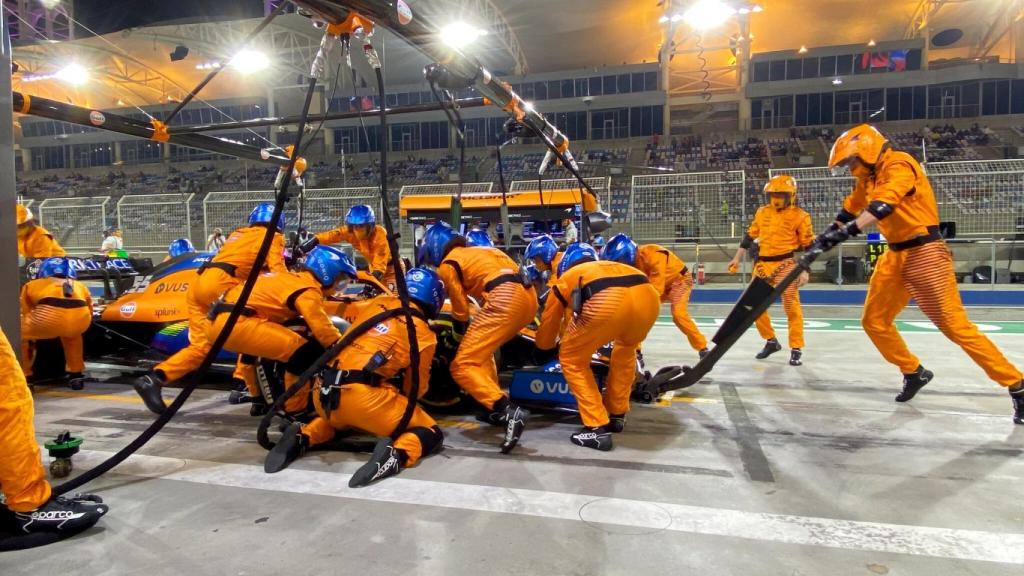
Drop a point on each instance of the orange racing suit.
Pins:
(228, 268)
(373, 247)
(277, 298)
(55, 308)
(22, 477)
(670, 277)
(619, 306)
(490, 277)
(367, 402)
(917, 265)
(39, 243)
(780, 233)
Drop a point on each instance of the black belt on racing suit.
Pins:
(229, 268)
(932, 235)
(499, 280)
(592, 289)
(775, 258)
(221, 307)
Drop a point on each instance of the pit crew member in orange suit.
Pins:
(669, 276)
(23, 483)
(34, 241)
(228, 268)
(617, 304)
(780, 228)
(55, 305)
(893, 192)
(277, 298)
(355, 392)
(543, 252)
(508, 305)
(367, 237)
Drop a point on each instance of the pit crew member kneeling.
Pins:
(355, 393)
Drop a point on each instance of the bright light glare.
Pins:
(707, 14)
(837, 81)
(459, 34)
(663, 19)
(250, 61)
(73, 74)
(49, 4)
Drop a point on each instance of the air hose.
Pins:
(197, 377)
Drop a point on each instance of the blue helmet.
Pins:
(621, 248)
(438, 240)
(263, 213)
(533, 273)
(426, 287)
(359, 215)
(478, 237)
(179, 247)
(327, 264)
(543, 247)
(577, 253)
(56, 268)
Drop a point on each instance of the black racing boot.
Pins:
(913, 382)
(515, 423)
(703, 352)
(795, 356)
(67, 515)
(597, 438)
(258, 407)
(293, 443)
(771, 346)
(239, 392)
(616, 423)
(148, 387)
(385, 461)
(1017, 395)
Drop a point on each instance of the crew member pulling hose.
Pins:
(893, 191)
(356, 392)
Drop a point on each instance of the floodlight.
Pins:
(460, 34)
(49, 4)
(802, 50)
(250, 61)
(837, 81)
(73, 74)
(707, 14)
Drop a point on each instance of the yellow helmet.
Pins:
(783, 184)
(23, 214)
(863, 142)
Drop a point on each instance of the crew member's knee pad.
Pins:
(304, 357)
(430, 438)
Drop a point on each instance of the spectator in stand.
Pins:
(215, 240)
(571, 235)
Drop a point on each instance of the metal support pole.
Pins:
(839, 269)
(992, 276)
(9, 312)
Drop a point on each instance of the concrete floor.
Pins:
(762, 469)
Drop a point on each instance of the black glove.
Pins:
(459, 327)
(543, 357)
(834, 235)
(309, 244)
(378, 274)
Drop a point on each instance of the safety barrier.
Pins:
(150, 222)
(77, 223)
(673, 208)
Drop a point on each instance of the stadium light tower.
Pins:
(708, 14)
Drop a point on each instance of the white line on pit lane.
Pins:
(800, 530)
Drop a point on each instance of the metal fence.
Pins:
(77, 223)
(150, 222)
(229, 210)
(670, 208)
(325, 208)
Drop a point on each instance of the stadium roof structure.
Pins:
(132, 66)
